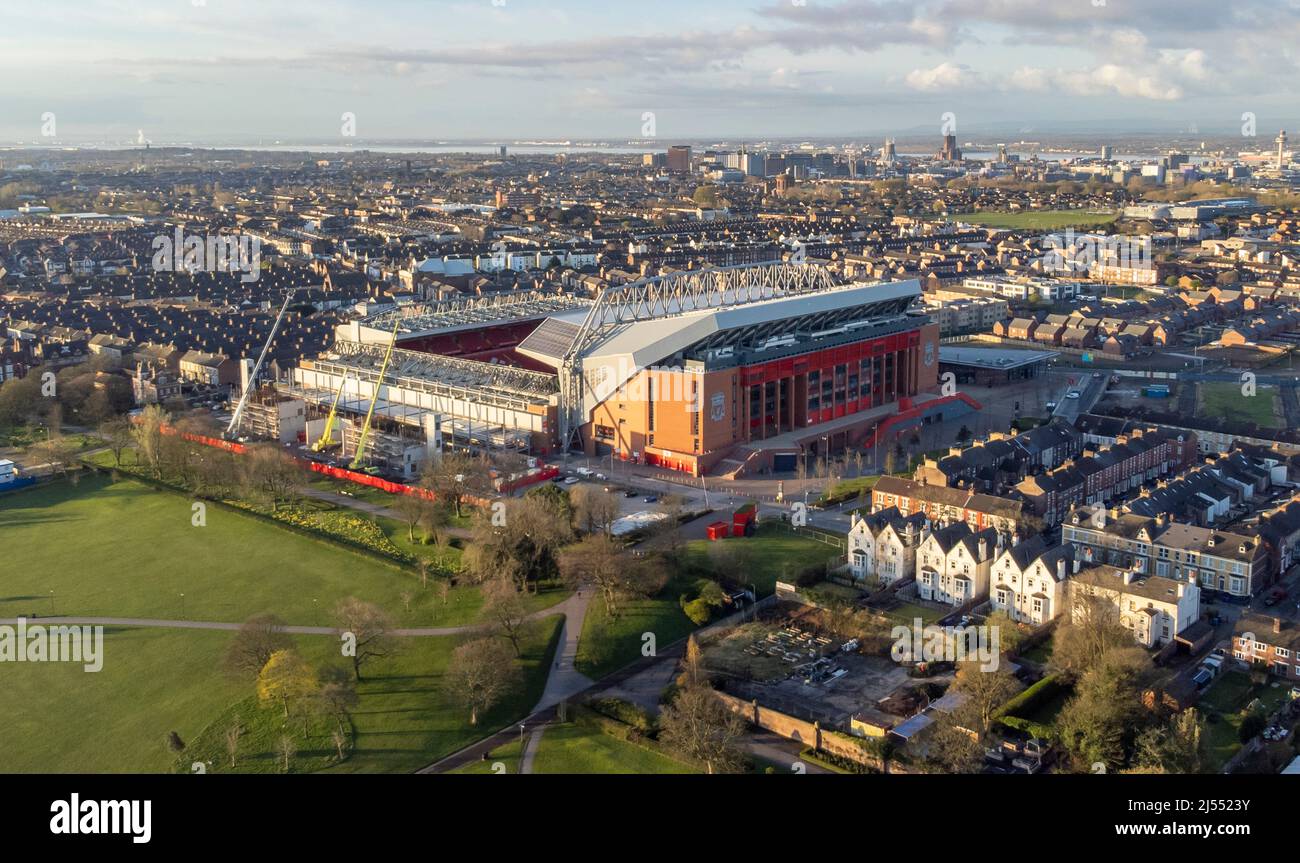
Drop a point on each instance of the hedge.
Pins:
(1032, 698)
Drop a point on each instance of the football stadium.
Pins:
(722, 371)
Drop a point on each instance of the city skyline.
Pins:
(233, 71)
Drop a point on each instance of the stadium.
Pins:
(723, 371)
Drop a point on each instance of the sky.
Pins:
(239, 71)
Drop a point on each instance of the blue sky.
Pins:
(228, 70)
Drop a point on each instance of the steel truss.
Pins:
(675, 294)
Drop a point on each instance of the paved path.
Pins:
(530, 751)
(780, 751)
(565, 681)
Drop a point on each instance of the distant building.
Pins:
(679, 160)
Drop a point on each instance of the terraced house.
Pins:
(1030, 581)
(953, 564)
(882, 546)
(1232, 564)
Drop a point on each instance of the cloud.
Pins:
(944, 77)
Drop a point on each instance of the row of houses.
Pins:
(1029, 581)
(1137, 457)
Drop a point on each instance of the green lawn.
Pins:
(61, 719)
(848, 489)
(507, 755)
(608, 644)
(1038, 219)
(1229, 695)
(1226, 401)
(578, 748)
(776, 552)
(909, 612)
(125, 549)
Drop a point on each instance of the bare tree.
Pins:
(481, 673)
(254, 642)
(601, 562)
(117, 435)
(370, 628)
(233, 733)
(148, 431)
(700, 727)
(413, 510)
(504, 607)
(286, 748)
(986, 691)
(453, 476)
(594, 509)
(272, 474)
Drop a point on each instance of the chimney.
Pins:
(984, 548)
(1060, 569)
(1277, 626)
(1076, 565)
(1128, 576)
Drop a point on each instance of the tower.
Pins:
(1281, 150)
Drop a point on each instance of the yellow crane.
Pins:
(374, 398)
(327, 435)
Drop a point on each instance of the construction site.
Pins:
(726, 370)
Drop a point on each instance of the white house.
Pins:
(954, 562)
(1030, 582)
(883, 545)
(1154, 608)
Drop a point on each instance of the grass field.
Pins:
(776, 554)
(157, 680)
(576, 748)
(146, 554)
(1038, 219)
(608, 644)
(1226, 401)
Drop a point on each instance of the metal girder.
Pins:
(675, 294)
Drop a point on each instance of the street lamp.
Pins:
(182, 605)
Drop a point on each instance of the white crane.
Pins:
(257, 369)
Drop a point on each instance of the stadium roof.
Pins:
(475, 313)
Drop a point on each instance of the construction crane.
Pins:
(374, 398)
(326, 435)
(257, 369)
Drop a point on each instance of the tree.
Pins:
(117, 435)
(253, 645)
(148, 431)
(951, 747)
(1089, 632)
(370, 629)
(452, 476)
(481, 673)
(337, 691)
(600, 561)
(272, 474)
(233, 733)
(700, 727)
(986, 691)
(594, 508)
(175, 743)
(286, 748)
(1098, 725)
(340, 739)
(413, 509)
(1177, 747)
(504, 607)
(287, 678)
(524, 545)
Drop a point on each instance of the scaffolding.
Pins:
(421, 318)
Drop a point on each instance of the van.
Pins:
(585, 471)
